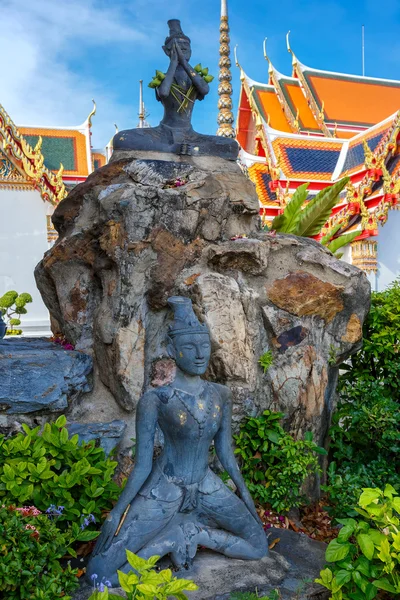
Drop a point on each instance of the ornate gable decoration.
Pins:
(22, 165)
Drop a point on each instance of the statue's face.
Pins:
(183, 44)
(191, 352)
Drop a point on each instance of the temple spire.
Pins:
(225, 117)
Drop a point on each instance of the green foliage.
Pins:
(365, 430)
(378, 360)
(310, 220)
(12, 304)
(144, 583)
(52, 468)
(346, 482)
(341, 241)
(266, 360)
(274, 465)
(30, 551)
(366, 554)
(287, 221)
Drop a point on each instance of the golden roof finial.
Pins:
(294, 59)
(93, 112)
(270, 67)
(335, 131)
(237, 63)
(225, 117)
(116, 128)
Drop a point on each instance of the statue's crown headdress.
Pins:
(185, 321)
(175, 30)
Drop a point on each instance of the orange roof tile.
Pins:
(352, 100)
(270, 108)
(298, 102)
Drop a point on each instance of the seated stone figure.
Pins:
(175, 133)
(176, 502)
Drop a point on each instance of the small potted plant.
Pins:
(12, 306)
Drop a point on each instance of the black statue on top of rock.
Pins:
(173, 505)
(178, 90)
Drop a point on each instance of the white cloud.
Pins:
(39, 87)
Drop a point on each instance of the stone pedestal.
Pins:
(291, 568)
(145, 227)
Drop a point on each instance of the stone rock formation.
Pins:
(143, 228)
(38, 376)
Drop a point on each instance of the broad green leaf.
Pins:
(123, 581)
(345, 533)
(337, 551)
(326, 576)
(318, 210)
(383, 584)
(61, 421)
(368, 496)
(87, 536)
(389, 491)
(135, 561)
(366, 545)
(342, 577)
(370, 592)
(286, 223)
(147, 589)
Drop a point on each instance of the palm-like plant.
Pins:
(309, 221)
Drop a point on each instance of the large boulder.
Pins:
(39, 376)
(143, 228)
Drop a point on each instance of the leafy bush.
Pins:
(366, 554)
(274, 465)
(365, 428)
(378, 360)
(145, 583)
(31, 547)
(366, 421)
(11, 304)
(345, 483)
(50, 468)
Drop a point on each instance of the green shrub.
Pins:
(378, 360)
(145, 583)
(366, 555)
(274, 465)
(30, 551)
(366, 421)
(11, 304)
(345, 483)
(50, 468)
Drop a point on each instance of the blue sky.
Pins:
(60, 55)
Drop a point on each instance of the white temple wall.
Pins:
(388, 253)
(23, 241)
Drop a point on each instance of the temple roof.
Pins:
(350, 100)
(23, 164)
(67, 145)
(317, 127)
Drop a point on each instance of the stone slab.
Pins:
(291, 568)
(38, 375)
(108, 435)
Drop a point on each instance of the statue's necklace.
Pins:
(204, 405)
